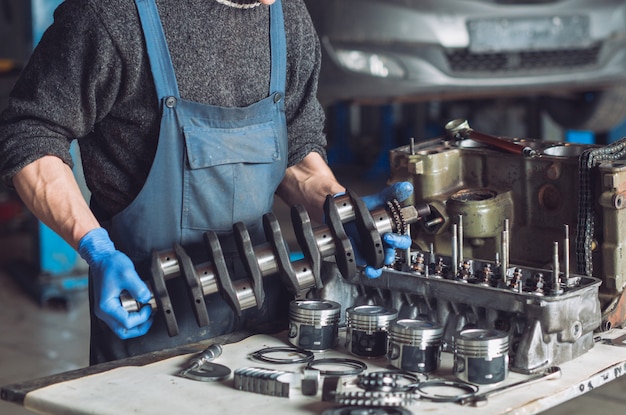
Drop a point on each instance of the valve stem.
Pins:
(556, 280)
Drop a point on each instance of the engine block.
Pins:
(542, 198)
(495, 251)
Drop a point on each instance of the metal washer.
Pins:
(209, 372)
(467, 390)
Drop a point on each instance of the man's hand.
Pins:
(392, 241)
(113, 272)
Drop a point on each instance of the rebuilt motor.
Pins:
(495, 251)
(541, 189)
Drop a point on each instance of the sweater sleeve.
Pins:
(305, 115)
(68, 84)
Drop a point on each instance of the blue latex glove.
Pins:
(391, 241)
(113, 272)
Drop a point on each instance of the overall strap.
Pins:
(278, 48)
(159, 54)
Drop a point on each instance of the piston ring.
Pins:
(468, 388)
(355, 366)
(305, 356)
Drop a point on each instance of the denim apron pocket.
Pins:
(232, 164)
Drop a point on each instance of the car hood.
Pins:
(444, 22)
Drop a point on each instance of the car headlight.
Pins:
(374, 64)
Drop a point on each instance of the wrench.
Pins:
(618, 341)
(553, 372)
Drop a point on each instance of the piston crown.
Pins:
(370, 317)
(315, 312)
(415, 332)
(481, 342)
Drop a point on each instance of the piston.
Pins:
(314, 324)
(481, 356)
(415, 345)
(367, 334)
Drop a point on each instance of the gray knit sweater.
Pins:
(89, 79)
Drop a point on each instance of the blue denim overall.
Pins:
(214, 166)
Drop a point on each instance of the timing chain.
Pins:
(375, 398)
(586, 218)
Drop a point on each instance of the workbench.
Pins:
(149, 384)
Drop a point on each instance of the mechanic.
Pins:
(190, 115)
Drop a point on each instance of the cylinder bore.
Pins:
(473, 195)
(483, 211)
(564, 150)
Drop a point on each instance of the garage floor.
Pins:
(39, 341)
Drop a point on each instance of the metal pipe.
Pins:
(505, 251)
(455, 250)
(431, 257)
(407, 252)
(556, 280)
(566, 253)
(460, 236)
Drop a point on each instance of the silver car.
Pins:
(569, 53)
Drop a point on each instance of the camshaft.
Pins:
(273, 257)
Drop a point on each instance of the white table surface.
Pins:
(155, 389)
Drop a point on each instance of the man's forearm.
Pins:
(48, 188)
(307, 183)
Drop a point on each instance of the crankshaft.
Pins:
(273, 256)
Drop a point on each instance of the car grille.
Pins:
(464, 61)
